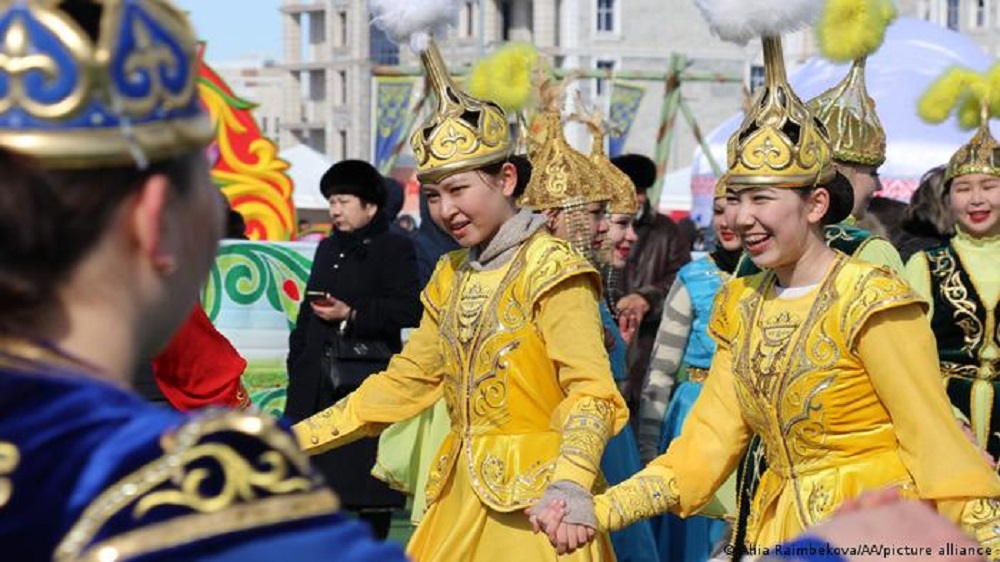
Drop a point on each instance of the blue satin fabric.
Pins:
(77, 436)
(634, 543)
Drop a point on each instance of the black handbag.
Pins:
(349, 361)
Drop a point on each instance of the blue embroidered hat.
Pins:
(90, 83)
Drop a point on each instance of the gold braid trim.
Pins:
(639, 497)
(584, 435)
(191, 528)
(981, 520)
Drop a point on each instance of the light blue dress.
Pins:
(634, 543)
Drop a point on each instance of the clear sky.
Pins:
(236, 29)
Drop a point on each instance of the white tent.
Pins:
(915, 53)
(306, 167)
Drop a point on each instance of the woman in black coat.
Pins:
(362, 291)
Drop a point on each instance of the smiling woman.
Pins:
(808, 358)
(961, 281)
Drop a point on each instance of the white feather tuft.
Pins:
(739, 21)
(413, 21)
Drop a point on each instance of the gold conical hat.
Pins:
(848, 112)
(780, 143)
(561, 176)
(462, 134)
(617, 185)
(981, 155)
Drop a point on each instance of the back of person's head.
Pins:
(927, 211)
(81, 146)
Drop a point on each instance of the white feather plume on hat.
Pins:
(413, 21)
(739, 21)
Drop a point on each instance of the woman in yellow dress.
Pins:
(810, 357)
(510, 336)
(961, 281)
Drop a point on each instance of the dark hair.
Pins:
(841, 198)
(927, 212)
(520, 163)
(49, 220)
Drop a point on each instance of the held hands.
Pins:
(566, 514)
(330, 309)
(628, 323)
(565, 537)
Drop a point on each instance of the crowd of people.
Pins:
(807, 390)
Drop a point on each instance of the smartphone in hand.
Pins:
(319, 297)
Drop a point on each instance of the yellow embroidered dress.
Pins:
(842, 385)
(517, 353)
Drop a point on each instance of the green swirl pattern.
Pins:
(247, 272)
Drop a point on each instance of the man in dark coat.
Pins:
(364, 290)
(660, 251)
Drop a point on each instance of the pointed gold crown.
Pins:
(617, 186)
(981, 155)
(780, 143)
(848, 112)
(561, 175)
(462, 134)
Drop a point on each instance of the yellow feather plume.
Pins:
(505, 76)
(964, 91)
(851, 29)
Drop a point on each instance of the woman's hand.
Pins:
(565, 537)
(330, 309)
(628, 323)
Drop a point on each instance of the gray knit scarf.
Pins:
(505, 243)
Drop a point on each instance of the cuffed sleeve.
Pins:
(593, 409)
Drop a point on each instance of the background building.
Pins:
(330, 50)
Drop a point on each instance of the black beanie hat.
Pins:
(640, 169)
(354, 177)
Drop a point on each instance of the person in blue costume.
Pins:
(109, 222)
(683, 352)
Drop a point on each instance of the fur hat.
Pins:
(640, 169)
(354, 177)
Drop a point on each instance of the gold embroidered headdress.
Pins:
(617, 185)
(76, 93)
(462, 133)
(851, 30)
(977, 98)
(779, 143)
(561, 176)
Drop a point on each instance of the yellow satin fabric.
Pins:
(458, 529)
(841, 384)
(518, 355)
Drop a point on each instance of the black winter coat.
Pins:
(374, 271)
